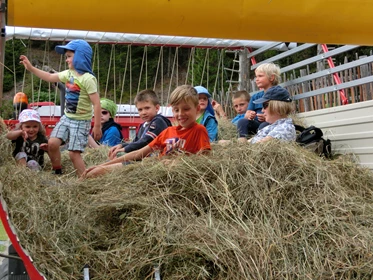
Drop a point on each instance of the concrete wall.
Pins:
(349, 127)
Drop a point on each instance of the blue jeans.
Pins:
(247, 128)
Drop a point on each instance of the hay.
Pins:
(264, 211)
(271, 211)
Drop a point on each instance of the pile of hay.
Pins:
(264, 211)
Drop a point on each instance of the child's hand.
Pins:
(114, 150)
(215, 104)
(44, 147)
(97, 133)
(113, 155)
(261, 117)
(24, 135)
(26, 63)
(250, 115)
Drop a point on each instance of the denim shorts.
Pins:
(73, 132)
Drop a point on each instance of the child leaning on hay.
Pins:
(187, 137)
(277, 106)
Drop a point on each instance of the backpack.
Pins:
(312, 139)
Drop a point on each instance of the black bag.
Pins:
(312, 139)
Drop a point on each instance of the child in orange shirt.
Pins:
(187, 137)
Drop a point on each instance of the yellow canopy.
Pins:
(313, 21)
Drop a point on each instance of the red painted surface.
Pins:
(31, 270)
(127, 123)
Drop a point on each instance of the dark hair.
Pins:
(147, 95)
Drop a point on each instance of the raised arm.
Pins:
(46, 76)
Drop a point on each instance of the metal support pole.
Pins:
(2, 47)
(243, 79)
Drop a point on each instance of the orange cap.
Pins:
(20, 97)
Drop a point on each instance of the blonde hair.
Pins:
(280, 107)
(184, 93)
(271, 70)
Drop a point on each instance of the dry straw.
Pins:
(263, 211)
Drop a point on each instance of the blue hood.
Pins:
(82, 61)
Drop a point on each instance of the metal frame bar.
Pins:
(326, 72)
(263, 49)
(318, 58)
(284, 54)
(357, 82)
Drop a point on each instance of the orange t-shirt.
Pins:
(175, 139)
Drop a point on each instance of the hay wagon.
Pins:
(337, 98)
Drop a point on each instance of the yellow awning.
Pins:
(313, 21)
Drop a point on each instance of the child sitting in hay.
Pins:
(206, 114)
(111, 131)
(30, 140)
(277, 105)
(187, 137)
(147, 105)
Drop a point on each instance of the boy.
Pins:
(267, 75)
(187, 137)
(147, 105)
(81, 94)
(240, 100)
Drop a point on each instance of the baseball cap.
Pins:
(274, 93)
(29, 115)
(201, 89)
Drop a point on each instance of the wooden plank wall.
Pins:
(349, 127)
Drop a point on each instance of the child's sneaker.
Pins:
(57, 172)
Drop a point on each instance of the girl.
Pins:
(30, 140)
(206, 114)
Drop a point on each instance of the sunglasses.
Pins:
(265, 105)
(104, 112)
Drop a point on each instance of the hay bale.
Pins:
(264, 211)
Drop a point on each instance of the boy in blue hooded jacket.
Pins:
(81, 93)
(206, 114)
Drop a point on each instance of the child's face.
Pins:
(185, 113)
(105, 116)
(262, 80)
(147, 110)
(240, 105)
(203, 101)
(69, 59)
(31, 128)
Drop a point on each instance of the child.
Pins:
(30, 140)
(187, 137)
(277, 105)
(240, 100)
(267, 75)
(206, 115)
(81, 94)
(147, 105)
(111, 131)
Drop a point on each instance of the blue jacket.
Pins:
(256, 107)
(211, 125)
(111, 137)
(237, 118)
